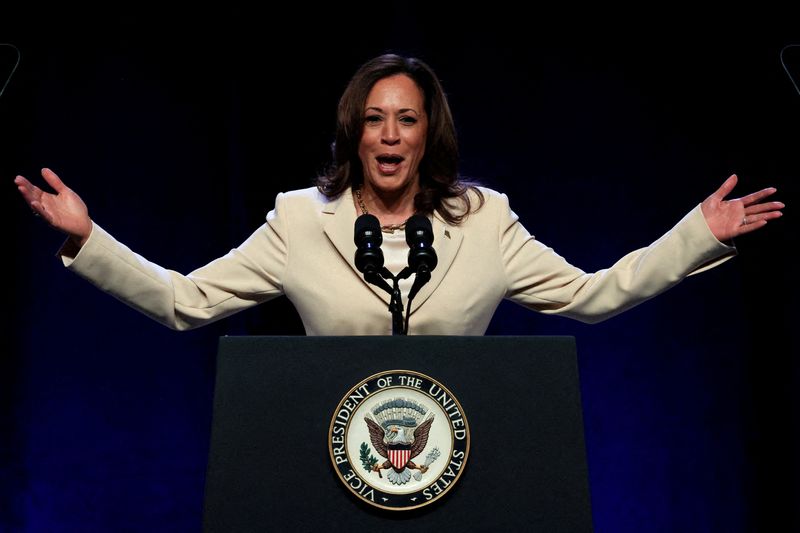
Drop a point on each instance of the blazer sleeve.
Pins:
(249, 274)
(539, 278)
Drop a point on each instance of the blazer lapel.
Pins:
(446, 242)
(339, 224)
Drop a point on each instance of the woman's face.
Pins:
(393, 141)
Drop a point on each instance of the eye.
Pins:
(372, 119)
(408, 120)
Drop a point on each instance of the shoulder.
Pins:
(486, 201)
(477, 196)
(490, 195)
(308, 196)
(303, 201)
(482, 202)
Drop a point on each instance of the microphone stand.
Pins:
(399, 326)
(396, 308)
(396, 299)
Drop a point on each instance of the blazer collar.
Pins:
(446, 242)
(339, 218)
(339, 226)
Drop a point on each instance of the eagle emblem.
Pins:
(386, 445)
(398, 431)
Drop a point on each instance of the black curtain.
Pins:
(179, 128)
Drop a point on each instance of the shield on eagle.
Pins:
(399, 455)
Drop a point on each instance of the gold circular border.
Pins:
(347, 427)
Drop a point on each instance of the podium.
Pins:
(269, 464)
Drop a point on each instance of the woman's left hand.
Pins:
(730, 218)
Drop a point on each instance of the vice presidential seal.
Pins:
(399, 440)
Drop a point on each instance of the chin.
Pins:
(390, 183)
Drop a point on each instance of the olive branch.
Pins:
(367, 460)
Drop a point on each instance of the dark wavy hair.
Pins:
(438, 170)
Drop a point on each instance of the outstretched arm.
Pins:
(247, 275)
(63, 210)
(730, 218)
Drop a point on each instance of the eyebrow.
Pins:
(403, 110)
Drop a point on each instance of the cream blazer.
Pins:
(305, 250)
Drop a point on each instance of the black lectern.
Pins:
(269, 465)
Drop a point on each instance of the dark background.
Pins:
(178, 128)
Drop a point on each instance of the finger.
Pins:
(752, 226)
(752, 219)
(22, 183)
(29, 191)
(726, 188)
(772, 215)
(53, 180)
(763, 208)
(757, 196)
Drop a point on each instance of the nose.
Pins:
(390, 134)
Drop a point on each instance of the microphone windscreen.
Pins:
(368, 227)
(418, 228)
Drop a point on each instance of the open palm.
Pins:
(730, 218)
(63, 209)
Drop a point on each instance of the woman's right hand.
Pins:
(63, 210)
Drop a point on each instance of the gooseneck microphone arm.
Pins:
(396, 300)
(377, 278)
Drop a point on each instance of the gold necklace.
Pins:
(388, 228)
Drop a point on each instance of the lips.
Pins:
(389, 163)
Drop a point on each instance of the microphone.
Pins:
(369, 261)
(421, 255)
(368, 239)
(419, 236)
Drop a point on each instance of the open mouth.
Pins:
(389, 163)
(390, 159)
